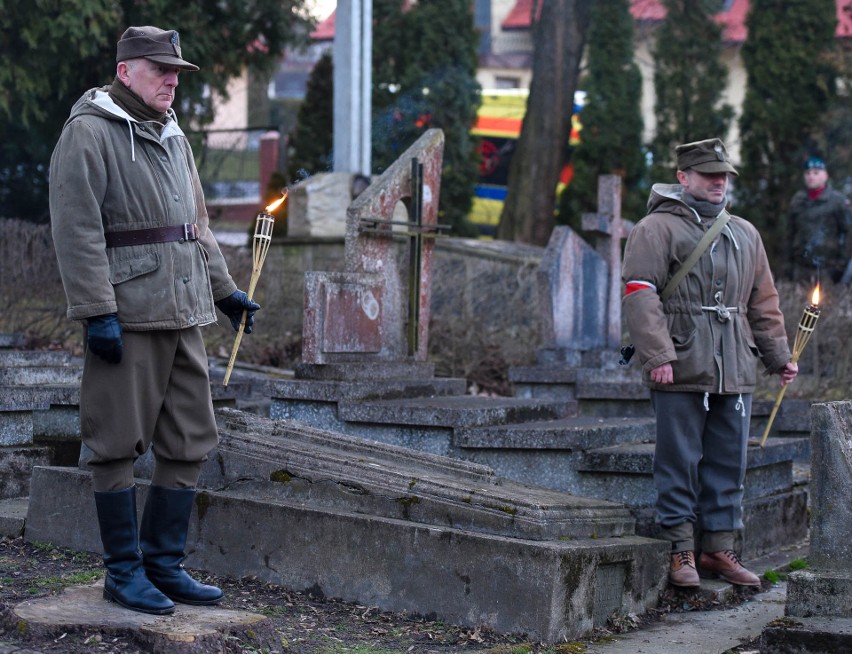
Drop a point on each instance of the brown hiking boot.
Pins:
(683, 572)
(726, 564)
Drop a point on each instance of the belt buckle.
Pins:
(190, 232)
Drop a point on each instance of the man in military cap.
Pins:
(820, 226)
(699, 334)
(143, 272)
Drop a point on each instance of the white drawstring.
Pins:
(132, 142)
(740, 405)
(706, 401)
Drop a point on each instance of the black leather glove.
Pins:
(104, 337)
(233, 307)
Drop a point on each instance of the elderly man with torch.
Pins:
(702, 309)
(143, 272)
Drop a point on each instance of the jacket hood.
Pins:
(97, 102)
(668, 198)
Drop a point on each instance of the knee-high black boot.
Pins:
(125, 581)
(165, 522)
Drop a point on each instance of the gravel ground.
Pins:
(305, 624)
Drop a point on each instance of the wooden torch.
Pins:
(804, 331)
(264, 223)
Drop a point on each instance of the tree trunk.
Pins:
(559, 34)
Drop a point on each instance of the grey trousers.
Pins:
(700, 463)
(158, 396)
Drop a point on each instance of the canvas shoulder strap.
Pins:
(709, 236)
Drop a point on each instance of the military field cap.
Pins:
(162, 46)
(707, 156)
(814, 163)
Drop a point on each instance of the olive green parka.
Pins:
(110, 172)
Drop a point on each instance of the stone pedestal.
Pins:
(826, 588)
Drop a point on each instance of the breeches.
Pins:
(700, 458)
(158, 396)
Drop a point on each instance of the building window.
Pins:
(507, 82)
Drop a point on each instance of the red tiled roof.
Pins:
(325, 30)
(519, 17)
(844, 19)
(733, 20)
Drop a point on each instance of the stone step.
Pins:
(389, 370)
(455, 412)
(625, 472)
(638, 458)
(39, 397)
(377, 388)
(13, 515)
(592, 383)
(12, 340)
(320, 468)
(36, 375)
(16, 465)
(792, 419)
(20, 358)
(573, 434)
(621, 384)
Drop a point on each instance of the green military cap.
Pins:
(161, 46)
(707, 156)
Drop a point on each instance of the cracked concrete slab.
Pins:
(190, 630)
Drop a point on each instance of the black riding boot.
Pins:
(125, 581)
(165, 522)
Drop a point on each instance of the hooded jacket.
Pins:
(110, 172)
(708, 351)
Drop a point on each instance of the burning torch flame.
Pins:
(815, 296)
(272, 207)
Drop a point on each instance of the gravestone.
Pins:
(377, 310)
(580, 285)
(580, 321)
(825, 589)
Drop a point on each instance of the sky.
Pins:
(322, 8)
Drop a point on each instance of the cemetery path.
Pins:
(304, 624)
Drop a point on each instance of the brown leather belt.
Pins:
(185, 232)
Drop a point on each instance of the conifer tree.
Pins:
(424, 77)
(311, 147)
(791, 83)
(689, 77)
(611, 139)
(53, 52)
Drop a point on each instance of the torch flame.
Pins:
(815, 296)
(272, 207)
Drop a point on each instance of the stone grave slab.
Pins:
(391, 528)
(190, 630)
